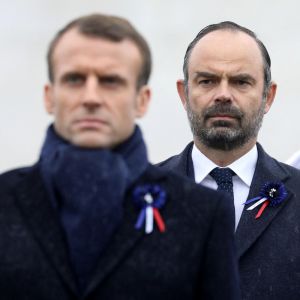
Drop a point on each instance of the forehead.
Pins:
(226, 50)
(75, 50)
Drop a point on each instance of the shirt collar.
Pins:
(244, 167)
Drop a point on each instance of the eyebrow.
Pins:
(205, 75)
(242, 76)
(101, 77)
(67, 74)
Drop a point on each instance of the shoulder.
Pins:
(276, 166)
(11, 178)
(177, 161)
(291, 169)
(268, 166)
(293, 179)
(172, 160)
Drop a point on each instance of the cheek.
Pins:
(196, 104)
(251, 111)
(59, 109)
(63, 113)
(65, 104)
(126, 113)
(255, 104)
(199, 98)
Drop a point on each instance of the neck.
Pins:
(224, 158)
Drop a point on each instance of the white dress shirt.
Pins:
(244, 168)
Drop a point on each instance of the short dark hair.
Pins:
(113, 28)
(227, 25)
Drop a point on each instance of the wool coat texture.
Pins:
(193, 259)
(268, 248)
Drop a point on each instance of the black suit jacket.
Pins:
(193, 259)
(269, 247)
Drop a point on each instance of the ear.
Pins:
(181, 92)
(270, 96)
(48, 98)
(143, 100)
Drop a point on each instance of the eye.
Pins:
(206, 82)
(74, 78)
(111, 81)
(242, 82)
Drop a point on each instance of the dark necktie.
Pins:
(223, 177)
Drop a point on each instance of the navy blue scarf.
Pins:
(87, 186)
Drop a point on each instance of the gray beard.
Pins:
(223, 135)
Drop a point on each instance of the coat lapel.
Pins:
(42, 220)
(126, 237)
(181, 163)
(250, 229)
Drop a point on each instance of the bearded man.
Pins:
(226, 91)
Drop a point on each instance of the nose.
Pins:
(91, 97)
(223, 92)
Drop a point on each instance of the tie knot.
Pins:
(222, 175)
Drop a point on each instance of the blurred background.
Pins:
(26, 27)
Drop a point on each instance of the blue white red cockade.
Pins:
(271, 194)
(149, 198)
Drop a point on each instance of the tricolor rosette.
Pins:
(149, 198)
(271, 194)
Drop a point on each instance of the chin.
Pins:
(91, 140)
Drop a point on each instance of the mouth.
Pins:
(222, 121)
(223, 112)
(223, 117)
(90, 123)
